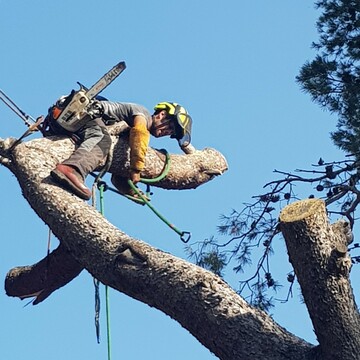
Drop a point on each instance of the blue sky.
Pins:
(232, 64)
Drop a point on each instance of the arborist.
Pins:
(94, 141)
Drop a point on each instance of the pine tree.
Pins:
(333, 77)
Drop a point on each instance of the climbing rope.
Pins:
(144, 199)
(184, 235)
(99, 184)
(48, 252)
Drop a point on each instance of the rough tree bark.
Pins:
(318, 253)
(199, 300)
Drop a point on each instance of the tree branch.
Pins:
(199, 300)
(42, 279)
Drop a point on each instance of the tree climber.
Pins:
(94, 141)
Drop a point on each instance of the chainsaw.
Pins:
(79, 104)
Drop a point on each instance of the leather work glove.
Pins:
(135, 176)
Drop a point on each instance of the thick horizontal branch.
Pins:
(187, 171)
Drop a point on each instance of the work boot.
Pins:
(72, 180)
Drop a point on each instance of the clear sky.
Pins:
(232, 64)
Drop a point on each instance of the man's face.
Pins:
(162, 125)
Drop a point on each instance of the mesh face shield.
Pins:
(183, 124)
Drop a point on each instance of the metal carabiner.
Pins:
(182, 238)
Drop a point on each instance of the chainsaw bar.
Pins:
(77, 108)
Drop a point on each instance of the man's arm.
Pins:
(139, 141)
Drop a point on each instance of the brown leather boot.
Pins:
(72, 180)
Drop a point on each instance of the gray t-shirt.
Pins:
(126, 112)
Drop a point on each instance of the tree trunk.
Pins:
(199, 300)
(318, 253)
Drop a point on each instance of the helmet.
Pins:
(181, 119)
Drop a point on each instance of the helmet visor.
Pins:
(183, 124)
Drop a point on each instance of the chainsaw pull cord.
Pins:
(102, 187)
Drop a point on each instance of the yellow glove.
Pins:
(139, 141)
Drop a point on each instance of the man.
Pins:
(93, 145)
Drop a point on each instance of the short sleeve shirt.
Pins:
(126, 112)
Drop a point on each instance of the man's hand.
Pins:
(135, 176)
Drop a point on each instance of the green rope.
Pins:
(144, 200)
(96, 283)
(101, 189)
(108, 321)
(154, 180)
(184, 235)
(163, 174)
